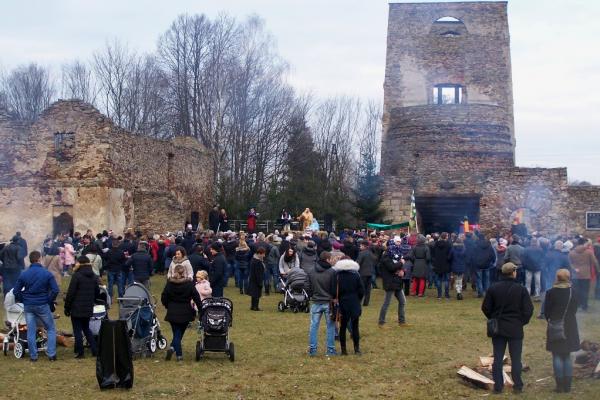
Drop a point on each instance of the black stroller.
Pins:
(295, 296)
(216, 316)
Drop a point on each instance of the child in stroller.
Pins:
(216, 316)
(294, 288)
(17, 325)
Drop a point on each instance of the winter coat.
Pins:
(69, 254)
(256, 275)
(115, 259)
(189, 271)
(216, 274)
(229, 248)
(366, 261)
(349, 249)
(176, 297)
(273, 256)
(513, 254)
(554, 308)
(285, 266)
(458, 259)
(482, 255)
(420, 257)
(582, 262)
(96, 261)
(533, 259)
(35, 286)
(83, 291)
(213, 220)
(308, 258)
(242, 256)
(440, 256)
(554, 261)
(199, 262)
(204, 290)
(388, 269)
(349, 288)
(141, 265)
(320, 281)
(517, 304)
(500, 255)
(9, 256)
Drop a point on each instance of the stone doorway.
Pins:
(446, 213)
(195, 220)
(62, 221)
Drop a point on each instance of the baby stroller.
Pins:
(17, 325)
(138, 308)
(101, 306)
(216, 316)
(295, 296)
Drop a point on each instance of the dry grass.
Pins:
(417, 362)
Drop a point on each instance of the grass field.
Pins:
(416, 362)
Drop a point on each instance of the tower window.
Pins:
(64, 144)
(447, 94)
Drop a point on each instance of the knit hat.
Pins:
(567, 246)
(503, 241)
(508, 268)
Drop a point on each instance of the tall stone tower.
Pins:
(448, 109)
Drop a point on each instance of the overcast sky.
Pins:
(337, 47)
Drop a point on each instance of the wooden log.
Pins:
(597, 371)
(507, 380)
(475, 378)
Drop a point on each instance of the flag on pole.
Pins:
(413, 212)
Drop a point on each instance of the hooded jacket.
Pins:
(82, 293)
(533, 259)
(389, 268)
(176, 297)
(349, 288)
(420, 257)
(458, 258)
(366, 261)
(439, 256)
(510, 302)
(320, 280)
(482, 255)
(141, 265)
(9, 256)
(308, 258)
(582, 262)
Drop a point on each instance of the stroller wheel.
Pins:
(281, 306)
(307, 308)
(295, 310)
(199, 350)
(162, 342)
(231, 352)
(19, 351)
(152, 345)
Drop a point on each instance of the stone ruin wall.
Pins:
(582, 199)
(87, 180)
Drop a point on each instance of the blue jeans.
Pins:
(115, 278)
(243, 283)
(272, 275)
(399, 294)
(126, 279)
(562, 364)
(9, 278)
(515, 348)
(43, 314)
(483, 281)
(316, 312)
(439, 279)
(178, 332)
(233, 270)
(81, 326)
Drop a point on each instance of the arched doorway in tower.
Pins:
(62, 221)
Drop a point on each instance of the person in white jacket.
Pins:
(181, 258)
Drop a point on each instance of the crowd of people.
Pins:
(510, 271)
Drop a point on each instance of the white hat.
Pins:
(397, 239)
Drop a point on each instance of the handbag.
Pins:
(334, 305)
(556, 329)
(493, 327)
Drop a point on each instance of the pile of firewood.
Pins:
(481, 375)
(587, 360)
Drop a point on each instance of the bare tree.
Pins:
(78, 82)
(28, 90)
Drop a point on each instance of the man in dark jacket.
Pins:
(440, 259)
(11, 265)
(213, 218)
(509, 303)
(22, 243)
(366, 261)
(482, 258)
(79, 304)
(199, 260)
(216, 274)
(320, 280)
(114, 261)
(141, 265)
(36, 288)
(391, 268)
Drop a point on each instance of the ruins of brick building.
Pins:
(448, 129)
(74, 169)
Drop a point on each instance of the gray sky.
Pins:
(337, 47)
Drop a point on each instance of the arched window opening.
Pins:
(448, 94)
(448, 19)
(448, 27)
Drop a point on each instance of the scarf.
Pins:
(562, 285)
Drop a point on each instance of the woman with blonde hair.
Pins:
(560, 309)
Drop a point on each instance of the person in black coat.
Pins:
(509, 303)
(213, 218)
(481, 258)
(11, 265)
(141, 265)
(440, 253)
(216, 274)
(561, 302)
(391, 268)
(349, 292)
(257, 273)
(114, 261)
(177, 298)
(199, 260)
(79, 304)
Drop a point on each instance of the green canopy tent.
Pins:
(384, 227)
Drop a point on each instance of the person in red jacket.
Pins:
(252, 216)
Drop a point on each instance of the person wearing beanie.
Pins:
(509, 303)
(79, 304)
(561, 304)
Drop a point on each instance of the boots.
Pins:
(357, 349)
(559, 385)
(459, 296)
(343, 347)
(567, 380)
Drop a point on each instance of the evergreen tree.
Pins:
(368, 190)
